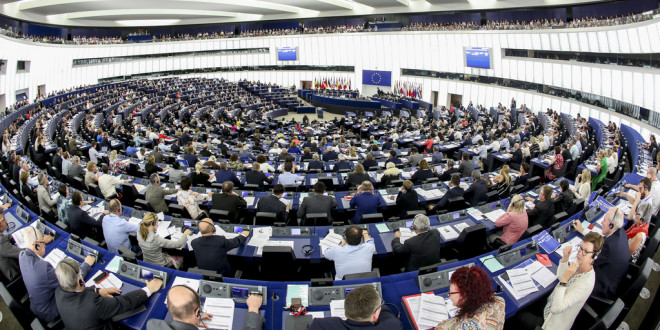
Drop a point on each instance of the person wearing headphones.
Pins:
(39, 276)
(46, 204)
(424, 248)
(211, 250)
(576, 282)
(152, 244)
(513, 223)
(364, 309)
(612, 263)
(354, 257)
(116, 229)
(185, 306)
(90, 308)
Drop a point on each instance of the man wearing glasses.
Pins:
(611, 265)
(364, 309)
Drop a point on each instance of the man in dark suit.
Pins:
(224, 175)
(330, 155)
(523, 176)
(342, 164)
(317, 202)
(272, 203)
(448, 172)
(8, 253)
(255, 176)
(453, 192)
(365, 202)
(57, 160)
(611, 265)
(516, 155)
(83, 307)
(175, 148)
(80, 221)
(211, 250)
(315, 164)
(466, 167)
(364, 310)
(424, 248)
(228, 201)
(478, 190)
(565, 153)
(190, 157)
(16, 169)
(543, 210)
(393, 158)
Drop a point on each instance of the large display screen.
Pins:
(287, 54)
(477, 57)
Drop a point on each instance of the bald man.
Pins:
(211, 250)
(185, 306)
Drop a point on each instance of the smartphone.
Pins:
(101, 277)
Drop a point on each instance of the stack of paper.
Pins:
(189, 282)
(406, 233)
(55, 256)
(221, 232)
(432, 310)
(521, 282)
(575, 243)
(430, 194)
(337, 309)
(163, 229)
(330, 240)
(475, 213)
(464, 185)
(111, 281)
(529, 204)
(299, 291)
(135, 221)
(448, 232)
(541, 274)
(249, 200)
(286, 201)
(494, 215)
(222, 310)
(389, 199)
(460, 226)
(260, 236)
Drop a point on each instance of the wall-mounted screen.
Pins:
(287, 54)
(477, 57)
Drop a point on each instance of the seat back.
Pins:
(22, 314)
(651, 246)
(373, 218)
(265, 219)
(533, 182)
(316, 219)
(357, 276)
(638, 282)
(531, 231)
(455, 204)
(472, 241)
(278, 263)
(95, 190)
(179, 211)
(609, 318)
(221, 216)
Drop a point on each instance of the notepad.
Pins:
(491, 263)
(222, 310)
(299, 291)
(382, 228)
(337, 309)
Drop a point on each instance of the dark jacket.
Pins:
(355, 179)
(407, 201)
(541, 214)
(476, 193)
(330, 156)
(227, 175)
(258, 178)
(421, 175)
(517, 157)
(365, 203)
(80, 221)
(466, 168)
(272, 204)
(315, 165)
(341, 165)
(231, 203)
(211, 252)
(424, 249)
(317, 203)
(253, 321)
(454, 192)
(611, 265)
(563, 201)
(88, 310)
(368, 163)
(446, 175)
(9, 257)
(521, 180)
(386, 321)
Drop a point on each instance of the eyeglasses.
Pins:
(583, 251)
(454, 292)
(382, 302)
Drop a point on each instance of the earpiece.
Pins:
(611, 226)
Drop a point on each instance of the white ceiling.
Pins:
(112, 13)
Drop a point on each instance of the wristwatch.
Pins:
(564, 284)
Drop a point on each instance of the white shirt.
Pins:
(655, 194)
(107, 184)
(93, 155)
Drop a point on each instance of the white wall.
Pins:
(51, 65)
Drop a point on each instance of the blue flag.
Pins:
(378, 78)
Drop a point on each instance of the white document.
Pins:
(389, 199)
(541, 274)
(286, 201)
(529, 204)
(413, 307)
(316, 315)
(406, 233)
(448, 232)
(222, 310)
(249, 200)
(575, 243)
(163, 229)
(331, 240)
(475, 213)
(18, 235)
(111, 281)
(521, 281)
(135, 221)
(495, 214)
(260, 236)
(337, 309)
(189, 282)
(55, 256)
(161, 217)
(432, 310)
(191, 238)
(460, 226)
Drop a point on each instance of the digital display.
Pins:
(147, 275)
(329, 174)
(347, 291)
(238, 229)
(409, 223)
(268, 175)
(244, 193)
(477, 57)
(287, 54)
(238, 292)
(456, 215)
(187, 223)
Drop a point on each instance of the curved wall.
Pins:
(51, 65)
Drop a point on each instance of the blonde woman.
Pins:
(525, 150)
(534, 148)
(542, 145)
(583, 185)
(152, 244)
(391, 173)
(503, 181)
(352, 154)
(117, 165)
(513, 223)
(200, 177)
(611, 163)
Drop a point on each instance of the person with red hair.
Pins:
(478, 308)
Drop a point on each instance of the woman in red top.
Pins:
(639, 231)
(428, 144)
(163, 136)
(556, 163)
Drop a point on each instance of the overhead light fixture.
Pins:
(147, 22)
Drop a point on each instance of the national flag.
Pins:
(316, 84)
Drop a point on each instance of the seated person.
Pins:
(116, 229)
(191, 199)
(543, 210)
(466, 167)
(478, 190)
(256, 176)
(639, 231)
(424, 248)
(317, 202)
(370, 163)
(523, 176)
(150, 167)
(91, 308)
(355, 257)
(272, 203)
(201, 178)
(229, 201)
(503, 181)
(478, 307)
(448, 171)
(513, 223)
(363, 309)
(342, 164)
(358, 176)
(152, 244)
(392, 158)
(8, 252)
(315, 164)
(211, 249)
(407, 199)
(583, 185)
(454, 191)
(365, 201)
(564, 201)
(423, 173)
(391, 174)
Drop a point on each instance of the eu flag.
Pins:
(378, 78)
